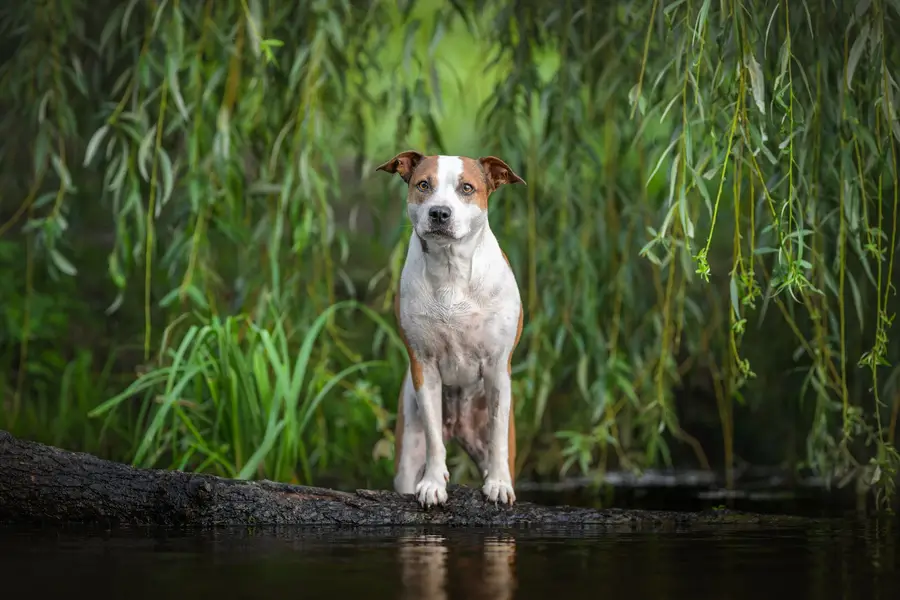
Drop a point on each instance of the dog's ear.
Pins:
(403, 164)
(498, 172)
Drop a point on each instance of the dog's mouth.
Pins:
(439, 234)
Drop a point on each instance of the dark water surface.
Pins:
(838, 558)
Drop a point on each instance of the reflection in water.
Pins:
(426, 574)
(844, 559)
(423, 561)
(499, 568)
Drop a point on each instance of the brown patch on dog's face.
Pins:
(473, 186)
(423, 180)
(481, 177)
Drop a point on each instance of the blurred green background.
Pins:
(199, 259)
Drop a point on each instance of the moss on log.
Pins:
(44, 484)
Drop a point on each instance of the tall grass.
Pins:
(234, 397)
(705, 247)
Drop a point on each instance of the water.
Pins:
(837, 558)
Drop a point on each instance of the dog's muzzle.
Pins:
(440, 222)
(439, 216)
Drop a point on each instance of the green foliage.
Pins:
(237, 398)
(708, 231)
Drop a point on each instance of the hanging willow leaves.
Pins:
(706, 241)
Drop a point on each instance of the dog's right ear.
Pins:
(403, 164)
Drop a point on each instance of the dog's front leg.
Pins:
(498, 388)
(432, 489)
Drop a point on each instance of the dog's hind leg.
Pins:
(471, 428)
(473, 432)
(409, 452)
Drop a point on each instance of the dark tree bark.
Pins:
(43, 484)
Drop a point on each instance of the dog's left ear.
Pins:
(403, 164)
(498, 172)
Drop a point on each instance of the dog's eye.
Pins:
(423, 186)
(467, 188)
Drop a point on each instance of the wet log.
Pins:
(48, 485)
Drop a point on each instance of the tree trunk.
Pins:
(43, 484)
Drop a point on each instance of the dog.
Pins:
(460, 316)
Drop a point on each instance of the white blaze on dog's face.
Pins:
(448, 195)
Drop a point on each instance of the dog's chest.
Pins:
(459, 330)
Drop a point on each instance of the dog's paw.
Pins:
(499, 490)
(432, 489)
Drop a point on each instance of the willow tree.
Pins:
(708, 230)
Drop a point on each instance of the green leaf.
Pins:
(859, 45)
(62, 263)
(757, 82)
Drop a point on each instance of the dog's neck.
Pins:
(451, 265)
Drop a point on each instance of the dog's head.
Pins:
(447, 198)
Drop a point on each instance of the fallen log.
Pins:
(44, 484)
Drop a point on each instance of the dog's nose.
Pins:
(439, 215)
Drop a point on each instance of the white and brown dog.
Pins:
(460, 315)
